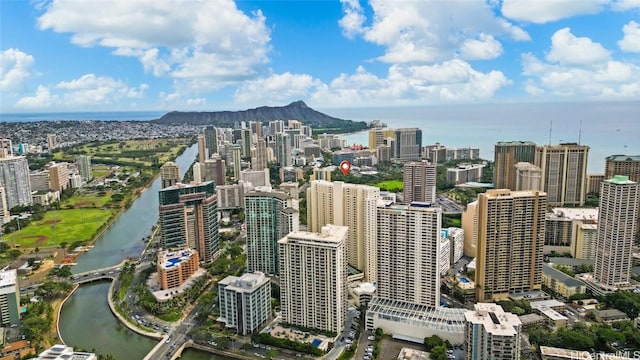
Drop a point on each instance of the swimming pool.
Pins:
(316, 342)
(464, 280)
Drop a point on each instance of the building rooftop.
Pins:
(8, 278)
(620, 180)
(412, 354)
(514, 143)
(558, 353)
(329, 234)
(530, 319)
(495, 320)
(440, 318)
(560, 276)
(571, 261)
(246, 283)
(590, 214)
(169, 259)
(546, 308)
(623, 158)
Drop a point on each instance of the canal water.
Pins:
(86, 321)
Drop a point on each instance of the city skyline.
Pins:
(330, 54)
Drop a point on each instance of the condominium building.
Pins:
(378, 136)
(59, 176)
(564, 173)
(619, 199)
(511, 229)
(350, 205)
(593, 183)
(628, 165)
(313, 278)
(528, 177)
(465, 173)
(9, 298)
(419, 178)
(5, 215)
(6, 147)
(283, 149)
(212, 169)
(491, 333)
(407, 142)
(259, 161)
(245, 302)
(39, 180)
(276, 126)
(84, 167)
(507, 155)
(202, 149)
(256, 177)
(189, 218)
(236, 156)
(408, 244)
(14, 176)
(176, 267)
(52, 141)
(269, 216)
(232, 196)
(470, 229)
(210, 134)
(169, 174)
(567, 231)
(331, 141)
(247, 141)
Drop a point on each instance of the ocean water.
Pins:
(608, 128)
(102, 116)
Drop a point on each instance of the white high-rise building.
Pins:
(350, 205)
(14, 176)
(5, 216)
(491, 333)
(616, 230)
(245, 302)
(313, 278)
(409, 253)
(84, 167)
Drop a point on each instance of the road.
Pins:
(448, 205)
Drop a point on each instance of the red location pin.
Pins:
(345, 166)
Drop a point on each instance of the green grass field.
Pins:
(87, 201)
(391, 185)
(70, 226)
(99, 171)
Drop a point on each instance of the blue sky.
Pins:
(91, 55)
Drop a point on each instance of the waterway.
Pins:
(86, 321)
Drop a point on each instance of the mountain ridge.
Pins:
(297, 110)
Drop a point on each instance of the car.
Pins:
(371, 338)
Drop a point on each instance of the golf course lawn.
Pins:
(88, 200)
(61, 226)
(391, 185)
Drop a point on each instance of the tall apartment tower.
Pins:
(259, 132)
(350, 205)
(283, 149)
(408, 242)
(9, 298)
(618, 212)
(259, 162)
(202, 149)
(419, 179)
(236, 156)
(313, 278)
(408, 144)
(511, 230)
(59, 176)
(189, 217)
(210, 140)
(507, 154)
(214, 170)
(14, 176)
(247, 141)
(377, 137)
(6, 148)
(628, 165)
(564, 173)
(84, 167)
(52, 141)
(169, 174)
(269, 216)
(276, 126)
(5, 215)
(490, 333)
(528, 177)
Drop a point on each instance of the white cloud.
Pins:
(15, 67)
(92, 89)
(276, 89)
(543, 11)
(608, 79)
(566, 48)
(631, 40)
(483, 48)
(193, 39)
(428, 31)
(353, 20)
(43, 99)
(624, 5)
(449, 81)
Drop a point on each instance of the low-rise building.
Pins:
(561, 283)
(551, 310)
(176, 267)
(245, 302)
(363, 293)
(610, 315)
(530, 320)
(412, 354)
(552, 353)
(63, 352)
(414, 322)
